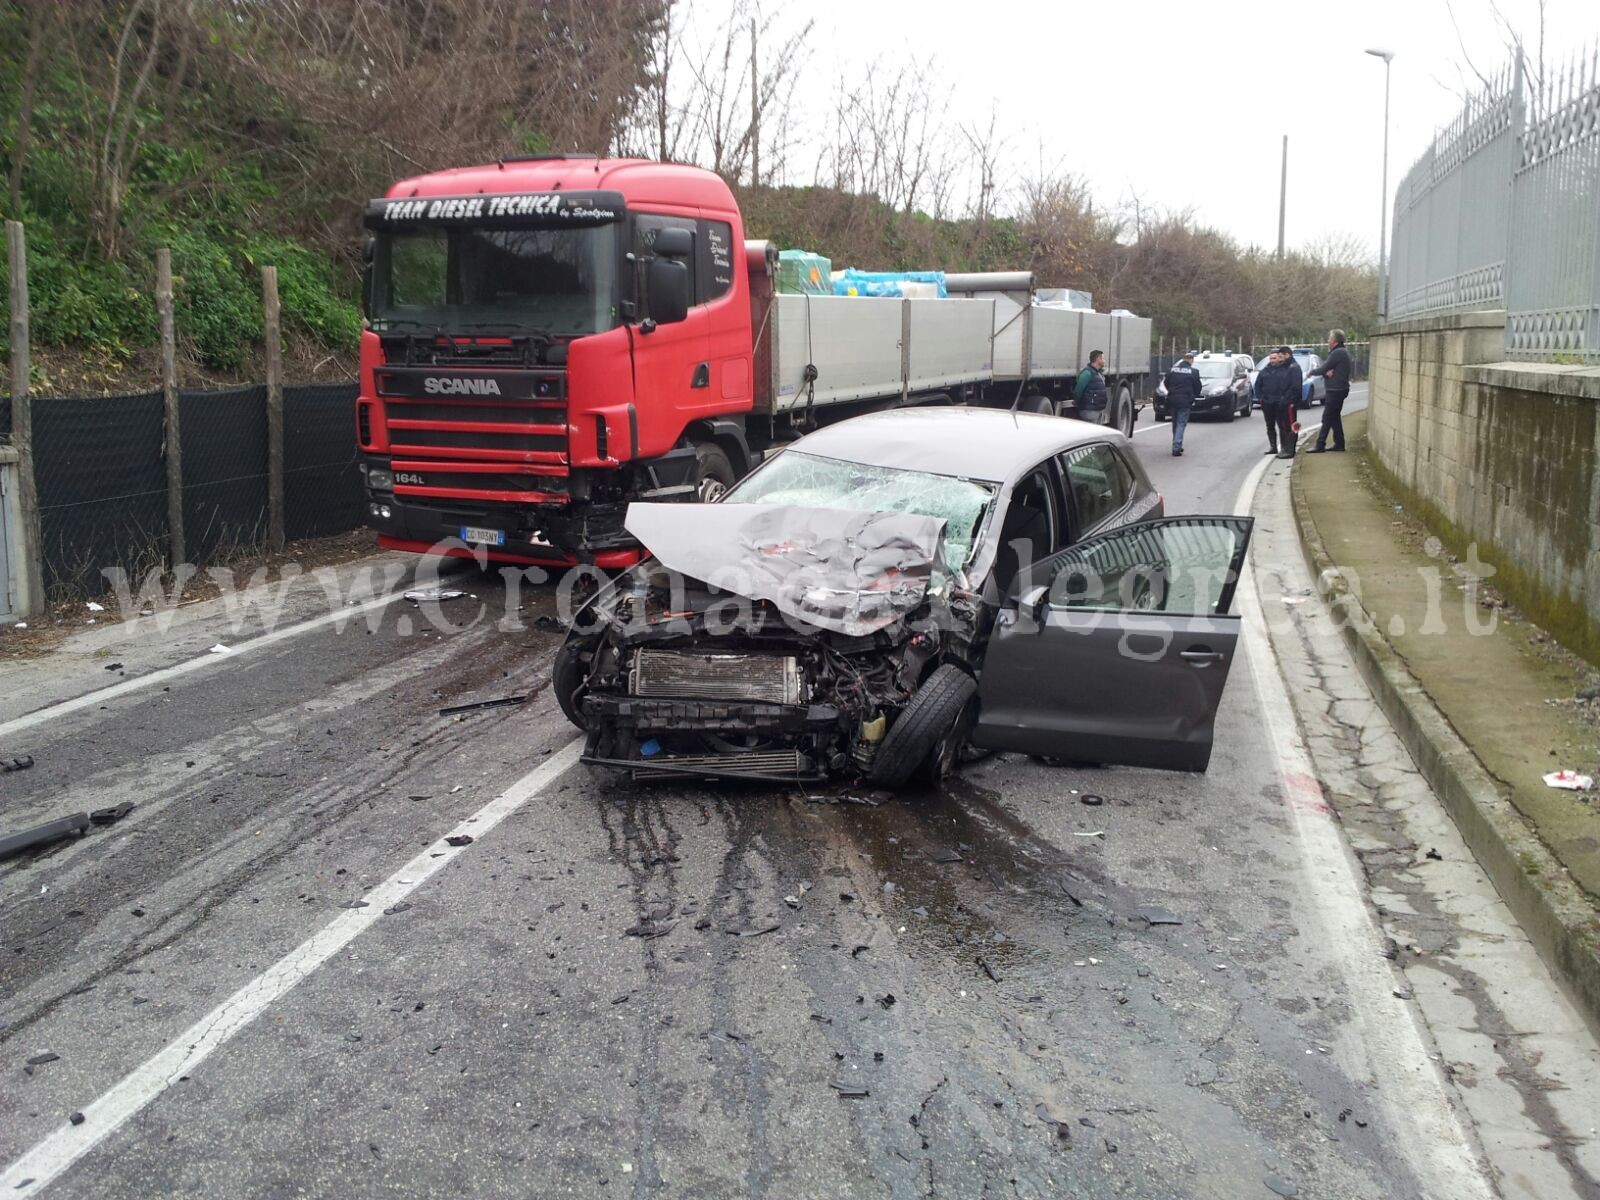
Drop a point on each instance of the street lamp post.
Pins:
(1383, 201)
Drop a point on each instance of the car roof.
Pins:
(972, 443)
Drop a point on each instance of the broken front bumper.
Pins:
(788, 742)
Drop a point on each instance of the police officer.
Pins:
(1278, 387)
(1090, 389)
(1183, 388)
(1336, 370)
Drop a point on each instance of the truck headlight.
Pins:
(380, 480)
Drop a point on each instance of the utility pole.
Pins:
(755, 112)
(1383, 200)
(1283, 195)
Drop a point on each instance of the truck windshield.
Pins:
(558, 282)
(811, 481)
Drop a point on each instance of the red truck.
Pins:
(551, 337)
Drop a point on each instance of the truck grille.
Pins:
(687, 676)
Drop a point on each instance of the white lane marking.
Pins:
(1392, 1049)
(90, 699)
(30, 1174)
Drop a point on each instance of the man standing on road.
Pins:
(1279, 386)
(1183, 388)
(1090, 389)
(1336, 370)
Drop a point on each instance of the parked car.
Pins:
(1312, 390)
(892, 588)
(1224, 383)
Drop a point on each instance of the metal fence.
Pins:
(1503, 211)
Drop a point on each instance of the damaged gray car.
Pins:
(894, 590)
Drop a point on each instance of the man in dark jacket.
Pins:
(1336, 370)
(1090, 389)
(1183, 388)
(1279, 386)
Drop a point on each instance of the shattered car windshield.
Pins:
(811, 481)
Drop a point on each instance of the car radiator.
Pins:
(672, 674)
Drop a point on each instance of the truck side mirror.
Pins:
(668, 284)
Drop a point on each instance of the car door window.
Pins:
(1184, 566)
(1031, 528)
(1098, 482)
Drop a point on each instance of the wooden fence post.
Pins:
(32, 598)
(169, 400)
(270, 331)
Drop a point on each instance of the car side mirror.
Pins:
(1031, 604)
(668, 282)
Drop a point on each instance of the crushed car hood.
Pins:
(849, 572)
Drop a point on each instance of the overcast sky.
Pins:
(1185, 102)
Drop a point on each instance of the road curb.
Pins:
(1550, 907)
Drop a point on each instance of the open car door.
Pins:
(1118, 650)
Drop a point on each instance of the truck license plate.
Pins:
(484, 537)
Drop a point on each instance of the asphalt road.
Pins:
(830, 1008)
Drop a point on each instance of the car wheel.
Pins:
(1232, 413)
(569, 680)
(713, 472)
(1159, 416)
(933, 718)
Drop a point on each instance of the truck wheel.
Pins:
(569, 681)
(713, 472)
(1125, 410)
(927, 735)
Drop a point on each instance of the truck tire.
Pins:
(927, 735)
(1125, 410)
(567, 681)
(713, 472)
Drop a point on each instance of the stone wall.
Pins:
(1498, 453)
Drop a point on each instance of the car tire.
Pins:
(713, 472)
(569, 680)
(1125, 413)
(938, 713)
(1158, 415)
(1232, 414)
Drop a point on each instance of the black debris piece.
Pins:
(849, 1091)
(76, 1118)
(1091, 800)
(138, 912)
(650, 929)
(1076, 903)
(847, 897)
(395, 909)
(877, 1056)
(1435, 855)
(622, 999)
(16, 764)
(1063, 1130)
(458, 839)
(1344, 1114)
(858, 950)
(110, 816)
(548, 624)
(1391, 949)
(754, 930)
(945, 856)
(987, 969)
(1152, 915)
(113, 666)
(355, 904)
(47, 1056)
(821, 1020)
(703, 923)
(886, 1000)
(41, 835)
(480, 705)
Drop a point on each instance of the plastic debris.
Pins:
(458, 839)
(110, 816)
(1098, 833)
(1091, 800)
(945, 856)
(1569, 781)
(987, 969)
(480, 705)
(21, 763)
(648, 929)
(93, 607)
(849, 1091)
(41, 835)
(754, 930)
(417, 595)
(47, 1056)
(219, 648)
(113, 666)
(1434, 855)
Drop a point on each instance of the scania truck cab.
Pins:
(547, 339)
